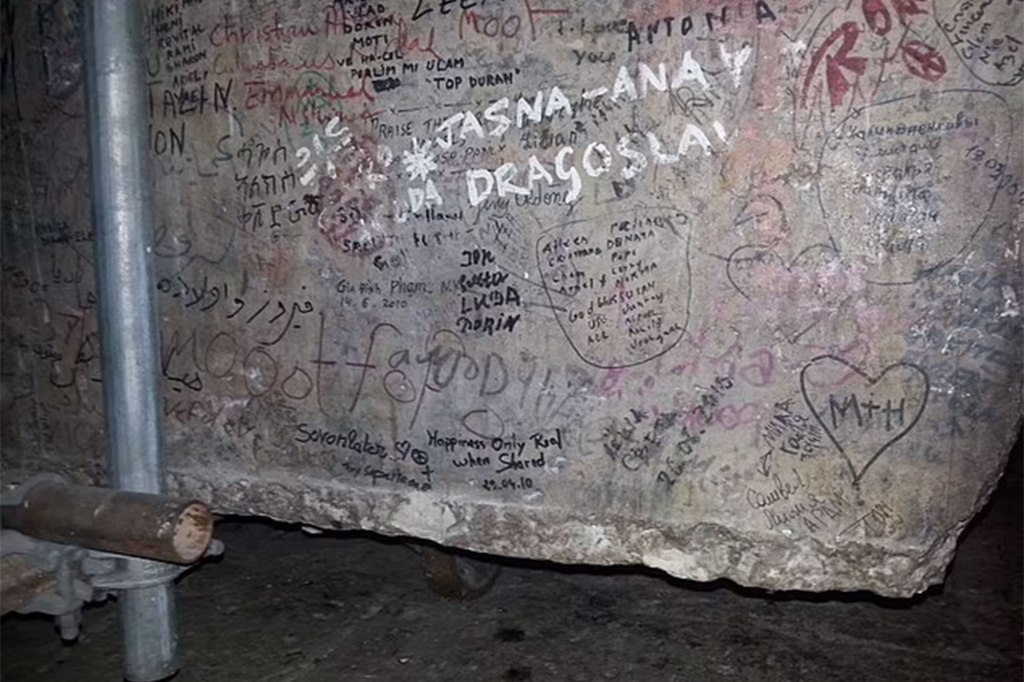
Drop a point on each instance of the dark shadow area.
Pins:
(285, 606)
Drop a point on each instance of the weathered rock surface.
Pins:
(731, 294)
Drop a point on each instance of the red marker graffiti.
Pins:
(835, 79)
(923, 60)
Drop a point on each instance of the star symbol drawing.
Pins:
(419, 163)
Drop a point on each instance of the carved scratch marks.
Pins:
(989, 43)
(800, 292)
(897, 175)
(863, 415)
(624, 281)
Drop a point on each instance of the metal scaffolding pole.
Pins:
(123, 229)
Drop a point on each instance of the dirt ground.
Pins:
(283, 606)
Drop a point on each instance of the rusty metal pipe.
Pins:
(136, 524)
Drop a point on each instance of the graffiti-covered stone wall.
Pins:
(725, 287)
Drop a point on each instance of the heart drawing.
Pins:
(799, 293)
(862, 415)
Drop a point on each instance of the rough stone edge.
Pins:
(767, 561)
(702, 552)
